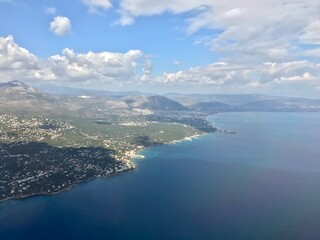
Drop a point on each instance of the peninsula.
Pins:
(49, 143)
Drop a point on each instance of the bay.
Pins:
(261, 183)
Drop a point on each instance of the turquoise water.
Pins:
(261, 183)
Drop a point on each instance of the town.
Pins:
(43, 155)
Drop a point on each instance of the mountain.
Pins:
(283, 104)
(17, 87)
(210, 103)
(18, 97)
(212, 106)
(68, 91)
(13, 83)
(230, 99)
(155, 103)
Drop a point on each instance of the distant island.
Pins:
(52, 140)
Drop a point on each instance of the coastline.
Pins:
(133, 156)
(190, 139)
(68, 188)
(138, 155)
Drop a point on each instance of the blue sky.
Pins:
(161, 37)
(269, 46)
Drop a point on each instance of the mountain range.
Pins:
(16, 96)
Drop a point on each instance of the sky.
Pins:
(184, 46)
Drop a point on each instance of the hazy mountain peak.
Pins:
(17, 83)
(17, 90)
(17, 86)
(156, 102)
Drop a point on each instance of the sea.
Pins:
(261, 183)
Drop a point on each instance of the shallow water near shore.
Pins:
(261, 183)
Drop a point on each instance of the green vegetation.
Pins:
(41, 155)
(49, 143)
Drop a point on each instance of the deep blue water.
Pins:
(261, 183)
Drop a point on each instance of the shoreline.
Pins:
(138, 156)
(68, 188)
(133, 157)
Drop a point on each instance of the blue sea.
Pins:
(261, 183)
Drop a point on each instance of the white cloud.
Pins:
(103, 66)
(311, 34)
(176, 62)
(130, 9)
(251, 31)
(97, 5)
(238, 77)
(134, 69)
(18, 63)
(219, 73)
(13, 57)
(125, 19)
(314, 52)
(50, 10)
(60, 26)
(304, 77)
